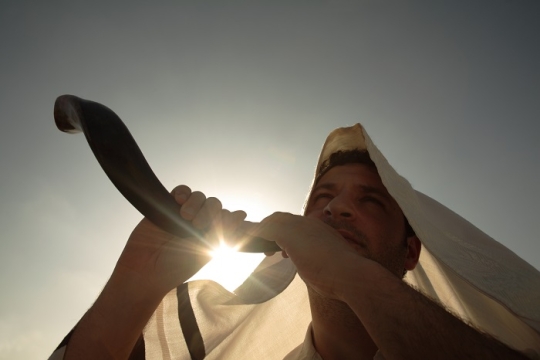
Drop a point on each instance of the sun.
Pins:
(228, 267)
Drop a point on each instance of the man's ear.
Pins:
(414, 246)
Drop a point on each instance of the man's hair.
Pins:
(354, 156)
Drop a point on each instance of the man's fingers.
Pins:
(181, 193)
(229, 223)
(208, 215)
(209, 211)
(192, 205)
(235, 219)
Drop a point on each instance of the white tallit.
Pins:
(466, 270)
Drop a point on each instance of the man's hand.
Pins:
(321, 255)
(163, 261)
(153, 263)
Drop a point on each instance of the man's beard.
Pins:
(393, 256)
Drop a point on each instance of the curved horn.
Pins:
(125, 165)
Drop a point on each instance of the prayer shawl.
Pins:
(474, 276)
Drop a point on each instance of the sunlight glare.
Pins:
(228, 267)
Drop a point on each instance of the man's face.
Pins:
(352, 199)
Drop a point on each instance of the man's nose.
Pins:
(339, 207)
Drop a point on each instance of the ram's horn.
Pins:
(125, 165)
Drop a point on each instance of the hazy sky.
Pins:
(235, 99)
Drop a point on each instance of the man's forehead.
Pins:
(362, 177)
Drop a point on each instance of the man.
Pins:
(358, 302)
(351, 249)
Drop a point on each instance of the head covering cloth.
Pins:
(473, 275)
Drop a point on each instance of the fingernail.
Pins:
(181, 196)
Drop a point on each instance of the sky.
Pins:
(235, 99)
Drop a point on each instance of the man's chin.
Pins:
(360, 249)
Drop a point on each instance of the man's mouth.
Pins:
(349, 236)
(349, 233)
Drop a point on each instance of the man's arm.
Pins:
(152, 263)
(111, 327)
(406, 324)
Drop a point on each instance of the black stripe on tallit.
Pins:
(138, 352)
(188, 323)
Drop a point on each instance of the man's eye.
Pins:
(373, 200)
(322, 196)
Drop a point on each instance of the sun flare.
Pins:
(228, 267)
